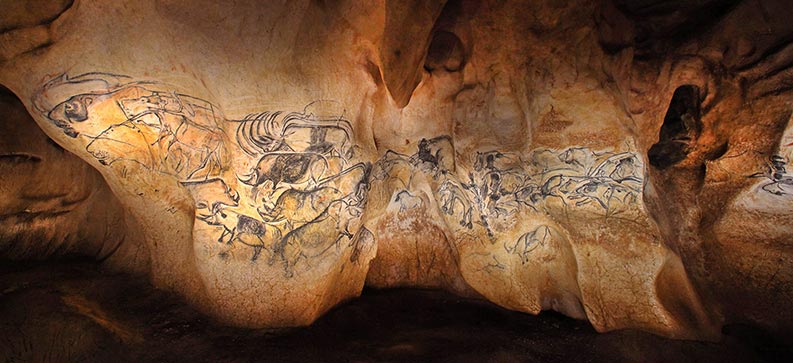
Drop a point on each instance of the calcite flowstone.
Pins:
(271, 159)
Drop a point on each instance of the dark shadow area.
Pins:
(53, 205)
(661, 24)
(681, 128)
(76, 312)
(446, 51)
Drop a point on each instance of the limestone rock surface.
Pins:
(621, 162)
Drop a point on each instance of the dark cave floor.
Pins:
(71, 312)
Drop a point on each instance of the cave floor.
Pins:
(74, 312)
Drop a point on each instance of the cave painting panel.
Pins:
(123, 120)
(298, 179)
(513, 219)
(291, 195)
(502, 185)
(281, 183)
(579, 160)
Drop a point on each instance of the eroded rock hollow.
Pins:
(617, 161)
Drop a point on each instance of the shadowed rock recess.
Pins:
(622, 162)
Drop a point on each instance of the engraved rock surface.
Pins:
(621, 162)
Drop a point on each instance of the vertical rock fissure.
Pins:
(680, 130)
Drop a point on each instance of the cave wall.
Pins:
(621, 162)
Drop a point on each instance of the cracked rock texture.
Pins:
(624, 162)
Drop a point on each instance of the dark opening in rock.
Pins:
(446, 50)
(680, 129)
